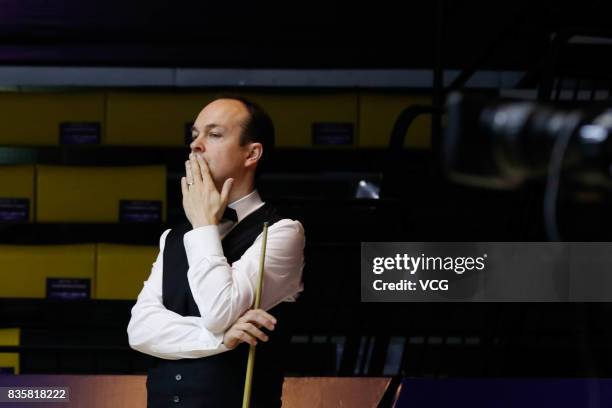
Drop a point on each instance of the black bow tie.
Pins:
(230, 214)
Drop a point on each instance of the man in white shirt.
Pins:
(193, 311)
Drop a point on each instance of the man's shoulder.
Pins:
(289, 231)
(289, 224)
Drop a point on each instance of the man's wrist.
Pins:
(202, 242)
(204, 223)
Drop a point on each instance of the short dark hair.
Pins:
(258, 128)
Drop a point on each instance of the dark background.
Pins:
(418, 202)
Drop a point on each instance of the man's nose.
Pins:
(197, 146)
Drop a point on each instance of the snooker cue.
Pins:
(248, 382)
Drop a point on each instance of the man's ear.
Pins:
(254, 154)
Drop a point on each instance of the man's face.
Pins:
(216, 134)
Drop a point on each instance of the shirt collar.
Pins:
(246, 205)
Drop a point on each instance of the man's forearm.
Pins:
(159, 332)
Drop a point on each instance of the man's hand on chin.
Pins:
(202, 202)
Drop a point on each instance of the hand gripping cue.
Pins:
(248, 382)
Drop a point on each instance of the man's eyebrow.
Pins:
(213, 125)
(207, 127)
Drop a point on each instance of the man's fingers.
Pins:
(188, 172)
(253, 331)
(195, 168)
(247, 328)
(260, 317)
(247, 338)
(204, 170)
(225, 191)
(184, 188)
(262, 313)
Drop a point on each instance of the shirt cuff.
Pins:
(202, 242)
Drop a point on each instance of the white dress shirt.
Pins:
(222, 292)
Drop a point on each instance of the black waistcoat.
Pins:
(217, 381)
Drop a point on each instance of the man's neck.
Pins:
(240, 191)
